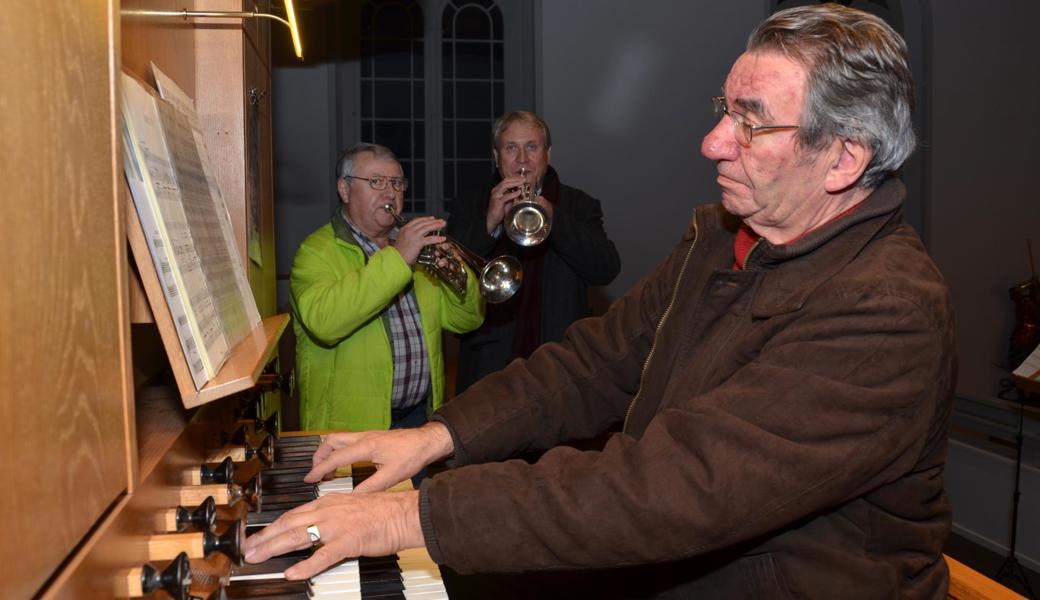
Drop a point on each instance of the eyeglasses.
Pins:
(378, 182)
(744, 131)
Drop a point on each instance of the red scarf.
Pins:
(526, 305)
(746, 238)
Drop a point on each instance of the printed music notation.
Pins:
(187, 225)
(1030, 367)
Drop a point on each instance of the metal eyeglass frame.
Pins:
(400, 184)
(719, 104)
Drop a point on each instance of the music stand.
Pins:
(1011, 569)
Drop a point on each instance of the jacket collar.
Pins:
(822, 253)
(341, 228)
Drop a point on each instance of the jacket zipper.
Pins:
(750, 251)
(660, 324)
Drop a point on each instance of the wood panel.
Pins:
(169, 42)
(233, 101)
(220, 103)
(968, 584)
(66, 453)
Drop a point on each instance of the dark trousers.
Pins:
(406, 418)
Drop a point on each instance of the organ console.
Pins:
(145, 486)
(175, 580)
(180, 519)
(121, 483)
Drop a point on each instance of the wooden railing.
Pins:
(968, 584)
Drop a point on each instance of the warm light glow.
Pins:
(185, 13)
(294, 29)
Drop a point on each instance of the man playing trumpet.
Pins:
(557, 272)
(367, 319)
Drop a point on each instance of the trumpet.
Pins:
(500, 277)
(527, 222)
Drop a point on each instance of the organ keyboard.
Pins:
(409, 575)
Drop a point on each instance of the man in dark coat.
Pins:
(558, 271)
(783, 380)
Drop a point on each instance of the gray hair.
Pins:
(859, 83)
(345, 164)
(518, 116)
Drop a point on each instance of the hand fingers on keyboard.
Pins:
(329, 444)
(320, 470)
(323, 558)
(385, 477)
(334, 460)
(276, 539)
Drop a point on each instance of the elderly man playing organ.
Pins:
(782, 380)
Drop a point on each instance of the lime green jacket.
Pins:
(344, 361)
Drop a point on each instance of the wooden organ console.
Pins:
(121, 480)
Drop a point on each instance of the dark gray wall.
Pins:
(984, 199)
(627, 89)
(305, 152)
(983, 207)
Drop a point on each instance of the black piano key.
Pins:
(273, 500)
(281, 490)
(280, 507)
(294, 463)
(277, 564)
(298, 440)
(281, 483)
(279, 589)
(296, 454)
(388, 588)
(259, 520)
(288, 469)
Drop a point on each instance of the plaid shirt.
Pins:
(411, 362)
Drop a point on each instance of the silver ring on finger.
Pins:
(314, 535)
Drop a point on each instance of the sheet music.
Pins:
(1030, 367)
(157, 196)
(204, 226)
(209, 214)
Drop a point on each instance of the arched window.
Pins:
(473, 84)
(393, 88)
(433, 76)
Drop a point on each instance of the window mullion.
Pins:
(434, 111)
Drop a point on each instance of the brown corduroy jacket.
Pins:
(784, 427)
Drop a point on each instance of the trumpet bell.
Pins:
(527, 224)
(500, 279)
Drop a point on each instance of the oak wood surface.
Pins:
(64, 455)
(968, 584)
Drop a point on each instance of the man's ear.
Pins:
(343, 188)
(846, 169)
(548, 155)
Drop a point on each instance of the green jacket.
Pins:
(344, 362)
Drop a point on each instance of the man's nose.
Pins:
(522, 155)
(719, 143)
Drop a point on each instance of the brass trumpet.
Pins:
(527, 222)
(499, 277)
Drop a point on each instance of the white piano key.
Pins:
(420, 576)
(257, 577)
(336, 588)
(426, 595)
(335, 595)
